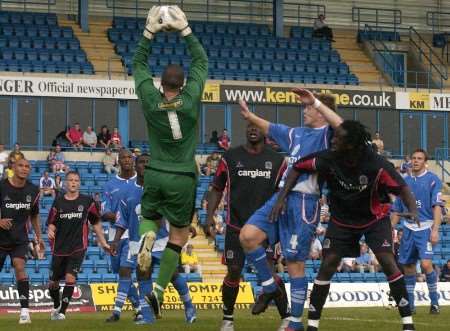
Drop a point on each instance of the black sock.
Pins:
(23, 287)
(317, 301)
(66, 296)
(54, 294)
(230, 290)
(400, 295)
(282, 301)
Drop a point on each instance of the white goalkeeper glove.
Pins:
(178, 21)
(154, 23)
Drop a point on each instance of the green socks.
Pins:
(168, 265)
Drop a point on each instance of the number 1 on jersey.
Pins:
(174, 125)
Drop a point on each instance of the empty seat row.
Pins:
(27, 18)
(56, 56)
(378, 35)
(35, 31)
(49, 43)
(281, 66)
(53, 67)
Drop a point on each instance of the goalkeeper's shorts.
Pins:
(171, 195)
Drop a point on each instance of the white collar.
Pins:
(421, 175)
(124, 179)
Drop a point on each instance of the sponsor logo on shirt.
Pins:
(268, 165)
(255, 173)
(18, 205)
(69, 216)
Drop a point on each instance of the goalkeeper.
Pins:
(172, 117)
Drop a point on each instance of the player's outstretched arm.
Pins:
(252, 118)
(141, 72)
(307, 98)
(198, 70)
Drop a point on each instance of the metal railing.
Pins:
(438, 21)
(27, 3)
(380, 17)
(436, 65)
(441, 156)
(225, 10)
(303, 11)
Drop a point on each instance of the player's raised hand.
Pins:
(154, 23)
(178, 21)
(5, 223)
(305, 96)
(245, 112)
(278, 209)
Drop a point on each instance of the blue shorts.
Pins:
(260, 219)
(415, 245)
(297, 226)
(123, 259)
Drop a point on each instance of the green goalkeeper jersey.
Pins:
(172, 125)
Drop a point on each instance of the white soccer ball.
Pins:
(165, 16)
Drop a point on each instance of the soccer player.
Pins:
(357, 180)
(19, 202)
(417, 241)
(128, 221)
(297, 228)
(250, 174)
(122, 263)
(68, 230)
(172, 120)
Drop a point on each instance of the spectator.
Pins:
(220, 225)
(116, 139)
(9, 172)
(321, 28)
(59, 189)
(364, 262)
(47, 185)
(189, 260)
(224, 140)
(61, 138)
(212, 161)
(346, 265)
(56, 160)
(136, 153)
(379, 143)
(75, 137)
(406, 166)
(110, 163)
(214, 138)
(445, 272)
(16, 153)
(315, 253)
(104, 137)
(90, 138)
(3, 159)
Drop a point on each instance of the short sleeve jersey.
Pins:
(356, 192)
(19, 204)
(297, 143)
(427, 191)
(72, 218)
(250, 179)
(130, 212)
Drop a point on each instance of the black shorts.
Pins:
(62, 265)
(234, 253)
(345, 241)
(17, 251)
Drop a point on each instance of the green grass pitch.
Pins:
(354, 319)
